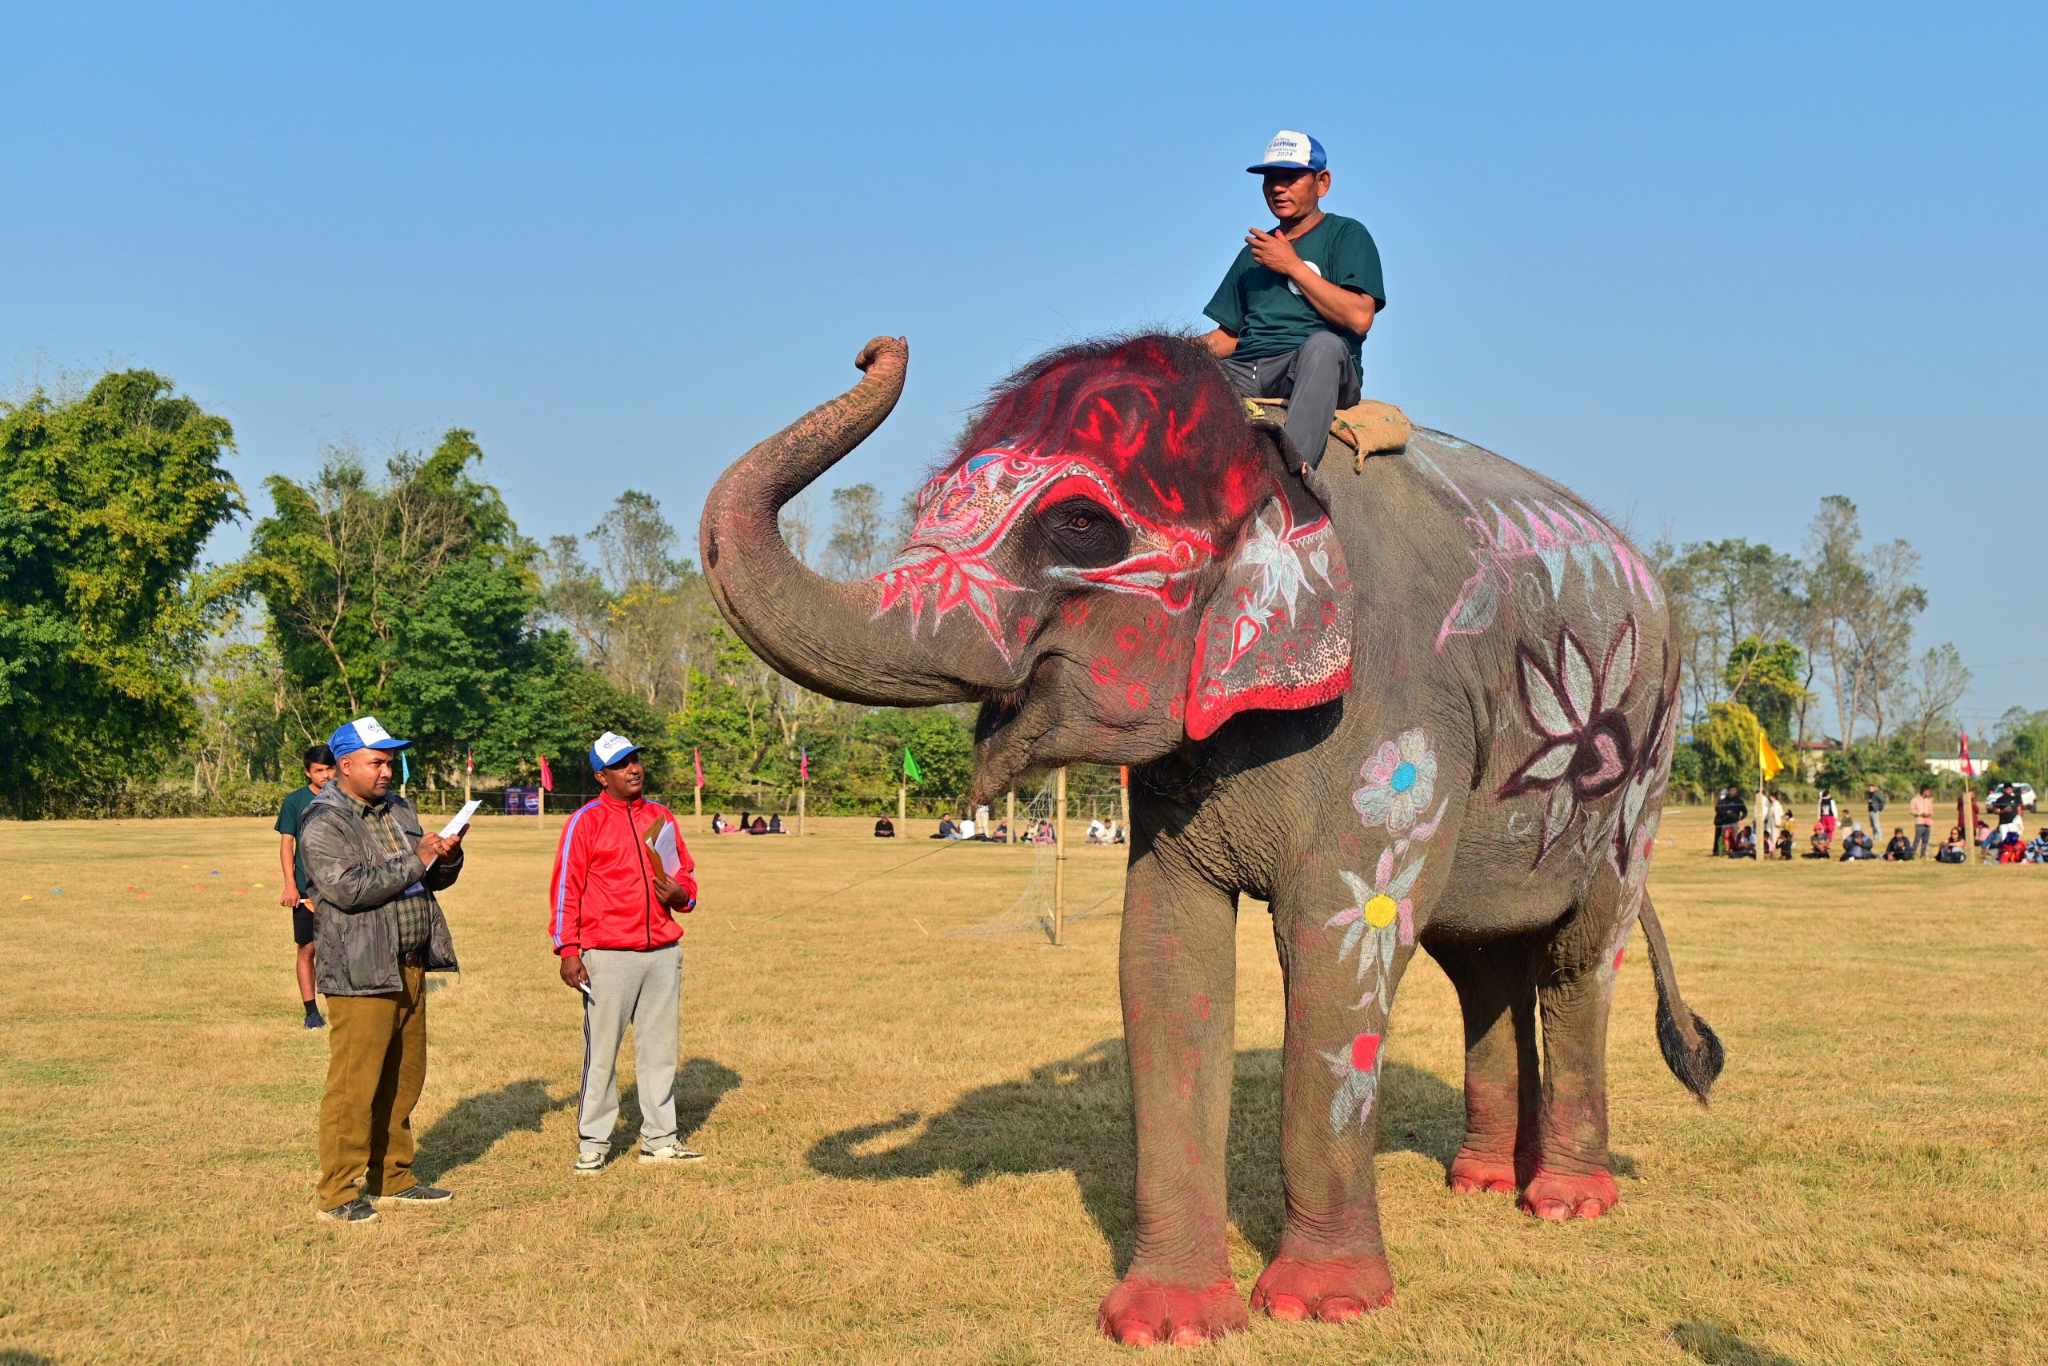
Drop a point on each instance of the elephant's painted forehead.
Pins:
(1154, 414)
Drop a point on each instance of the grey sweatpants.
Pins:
(1316, 381)
(643, 989)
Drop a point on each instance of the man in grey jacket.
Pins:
(381, 931)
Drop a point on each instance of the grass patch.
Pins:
(918, 1125)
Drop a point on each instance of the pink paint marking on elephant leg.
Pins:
(1331, 1290)
(1500, 1150)
(1143, 1312)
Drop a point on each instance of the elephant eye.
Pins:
(1082, 532)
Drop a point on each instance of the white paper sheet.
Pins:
(461, 818)
(664, 844)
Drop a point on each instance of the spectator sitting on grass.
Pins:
(2009, 848)
(1743, 844)
(717, 823)
(1818, 845)
(1898, 849)
(947, 830)
(1857, 845)
(885, 829)
(2037, 851)
(1785, 845)
(1951, 850)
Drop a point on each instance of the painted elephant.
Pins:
(1429, 704)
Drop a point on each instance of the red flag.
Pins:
(697, 762)
(547, 776)
(468, 762)
(804, 770)
(1963, 739)
(1123, 775)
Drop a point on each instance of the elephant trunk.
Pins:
(817, 632)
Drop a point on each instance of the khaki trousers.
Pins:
(376, 1068)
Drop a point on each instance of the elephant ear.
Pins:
(1276, 633)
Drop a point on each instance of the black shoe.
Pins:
(315, 1020)
(420, 1195)
(356, 1211)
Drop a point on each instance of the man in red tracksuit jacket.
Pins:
(621, 872)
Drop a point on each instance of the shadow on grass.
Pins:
(476, 1122)
(14, 1356)
(700, 1085)
(1075, 1115)
(1714, 1343)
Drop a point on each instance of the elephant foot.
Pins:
(1482, 1173)
(1330, 1291)
(1559, 1196)
(1142, 1312)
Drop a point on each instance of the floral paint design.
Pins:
(1357, 1071)
(1540, 530)
(1585, 750)
(1400, 778)
(965, 514)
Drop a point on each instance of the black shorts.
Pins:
(305, 926)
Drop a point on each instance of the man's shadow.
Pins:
(1075, 1115)
(475, 1123)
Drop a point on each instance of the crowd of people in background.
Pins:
(1766, 831)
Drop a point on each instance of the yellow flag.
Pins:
(1767, 760)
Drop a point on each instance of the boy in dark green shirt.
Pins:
(1297, 302)
(297, 892)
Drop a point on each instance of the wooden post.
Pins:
(902, 803)
(1123, 792)
(1059, 855)
(540, 807)
(803, 792)
(1010, 814)
(697, 806)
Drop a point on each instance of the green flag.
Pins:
(911, 772)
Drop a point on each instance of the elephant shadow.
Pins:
(1075, 1115)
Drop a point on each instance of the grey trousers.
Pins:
(643, 989)
(1316, 381)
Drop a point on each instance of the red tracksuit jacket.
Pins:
(601, 895)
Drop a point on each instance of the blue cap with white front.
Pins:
(611, 749)
(1291, 151)
(363, 733)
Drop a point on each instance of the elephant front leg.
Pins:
(1178, 967)
(1332, 1263)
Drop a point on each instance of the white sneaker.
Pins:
(671, 1151)
(590, 1161)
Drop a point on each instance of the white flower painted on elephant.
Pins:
(1380, 916)
(1400, 778)
(1357, 1070)
(1278, 569)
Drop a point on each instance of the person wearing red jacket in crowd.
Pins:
(621, 873)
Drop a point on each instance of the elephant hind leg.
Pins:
(1496, 985)
(1575, 988)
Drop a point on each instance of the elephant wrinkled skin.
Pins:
(1429, 705)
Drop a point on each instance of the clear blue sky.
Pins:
(1704, 265)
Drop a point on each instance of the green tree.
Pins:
(1726, 745)
(105, 503)
(1766, 680)
(413, 599)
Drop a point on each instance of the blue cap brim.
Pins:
(1264, 167)
(390, 744)
(617, 759)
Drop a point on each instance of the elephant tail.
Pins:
(1691, 1048)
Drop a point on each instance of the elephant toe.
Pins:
(1333, 1290)
(1559, 1197)
(1143, 1312)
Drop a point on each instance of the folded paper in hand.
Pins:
(662, 840)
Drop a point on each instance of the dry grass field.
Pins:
(917, 1126)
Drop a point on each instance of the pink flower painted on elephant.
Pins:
(1400, 778)
(1585, 750)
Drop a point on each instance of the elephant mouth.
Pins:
(1006, 734)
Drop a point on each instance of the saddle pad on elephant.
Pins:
(1367, 428)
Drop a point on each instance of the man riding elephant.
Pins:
(1430, 704)
(1298, 300)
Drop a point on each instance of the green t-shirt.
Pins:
(289, 817)
(1268, 313)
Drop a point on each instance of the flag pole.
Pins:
(1059, 855)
